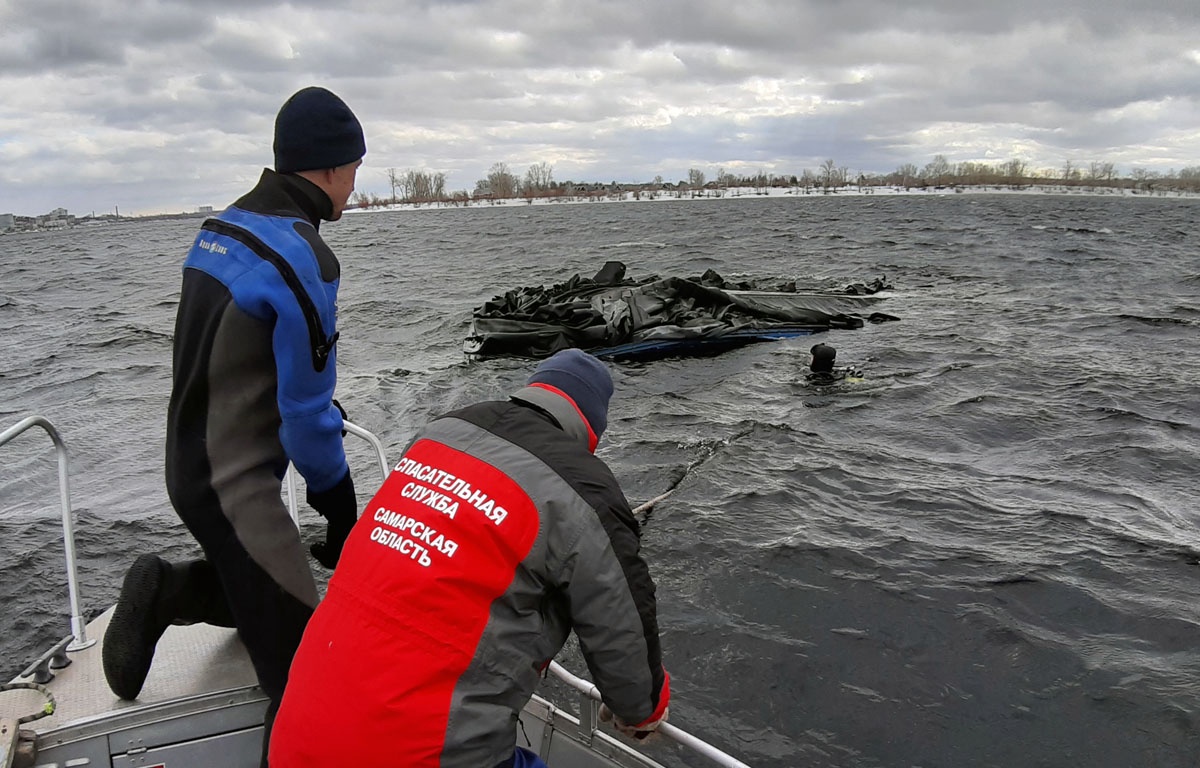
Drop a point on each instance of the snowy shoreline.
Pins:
(741, 193)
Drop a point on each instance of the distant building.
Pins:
(204, 209)
(56, 219)
(7, 221)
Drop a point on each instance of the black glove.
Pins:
(339, 506)
(342, 411)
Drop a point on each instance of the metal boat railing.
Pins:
(289, 478)
(589, 712)
(78, 625)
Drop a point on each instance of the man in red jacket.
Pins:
(497, 533)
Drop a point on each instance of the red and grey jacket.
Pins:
(496, 535)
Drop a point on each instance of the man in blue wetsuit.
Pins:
(254, 376)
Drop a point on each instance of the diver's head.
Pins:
(823, 356)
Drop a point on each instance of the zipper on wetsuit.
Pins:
(321, 346)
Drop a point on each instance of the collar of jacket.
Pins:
(562, 409)
(287, 194)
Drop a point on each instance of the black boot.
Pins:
(140, 618)
(195, 595)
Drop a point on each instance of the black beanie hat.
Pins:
(823, 356)
(584, 379)
(315, 129)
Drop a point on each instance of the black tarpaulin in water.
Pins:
(615, 317)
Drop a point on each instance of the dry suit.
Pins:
(254, 376)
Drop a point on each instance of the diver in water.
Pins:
(822, 371)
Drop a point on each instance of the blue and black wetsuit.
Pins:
(254, 376)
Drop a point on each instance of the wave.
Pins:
(1152, 320)
(1113, 412)
(129, 335)
(632, 244)
(1075, 229)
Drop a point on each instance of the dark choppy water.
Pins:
(986, 557)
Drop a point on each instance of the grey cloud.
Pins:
(64, 47)
(618, 89)
(40, 35)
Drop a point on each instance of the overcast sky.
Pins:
(166, 106)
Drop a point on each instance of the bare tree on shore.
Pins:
(829, 178)
(394, 180)
(1015, 173)
(421, 186)
(937, 171)
(1101, 172)
(538, 178)
(499, 183)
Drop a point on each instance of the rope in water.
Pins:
(646, 506)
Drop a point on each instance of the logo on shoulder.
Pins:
(212, 247)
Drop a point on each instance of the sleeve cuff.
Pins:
(664, 699)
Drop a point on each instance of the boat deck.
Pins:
(201, 706)
(188, 662)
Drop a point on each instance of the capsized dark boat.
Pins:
(618, 318)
